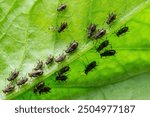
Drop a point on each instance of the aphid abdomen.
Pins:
(61, 77)
(91, 30)
(44, 90)
(62, 27)
(122, 31)
(72, 47)
(60, 58)
(49, 60)
(13, 75)
(61, 7)
(39, 66)
(9, 89)
(102, 45)
(108, 53)
(100, 34)
(89, 67)
(64, 70)
(111, 18)
(39, 86)
(35, 73)
(22, 81)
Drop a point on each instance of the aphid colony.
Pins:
(37, 71)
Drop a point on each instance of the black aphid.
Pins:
(44, 90)
(39, 65)
(108, 53)
(61, 77)
(72, 47)
(89, 67)
(13, 75)
(122, 30)
(61, 7)
(22, 81)
(9, 89)
(60, 58)
(91, 30)
(35, 73)
(62, 27)
(100, 33)
(111, 18)
(102, 45)
(39, 86)
(49, 60)
(63, 70)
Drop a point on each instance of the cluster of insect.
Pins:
(37, 71)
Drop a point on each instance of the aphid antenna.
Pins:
(65, 17)
(82, 62)
(52, 28)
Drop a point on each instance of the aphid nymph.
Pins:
(9, 88)
(111, 18)
(35, 73)
(61, 7)
(122, 30)
(62, 27)
(22, 81)
(72, 47)
(49, 60)
(63, 70)
(60, 58)
(91, 30)
(39, 86)
(13, 75)
(44, 90)
(108, 53)
(100, 33)
(89, 67)
(102, 45)
(39, 65)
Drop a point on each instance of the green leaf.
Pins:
(25, 38)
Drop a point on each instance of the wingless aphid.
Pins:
(108, 53)
(9, 89)
(39, 65)
(72, 47)
(39, 86)
(22, 81)
(35, 73)
(49, 60)
(61, 7)
(102, 45)
(61, 77)
(111, 18)
(62, 27)
(100, 34)
(60, 58)
(44, 90)
(13, 75)
(63, 70)
(91, 30)
(122, 30)
(89, 67)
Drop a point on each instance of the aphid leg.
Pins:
(52, 28)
